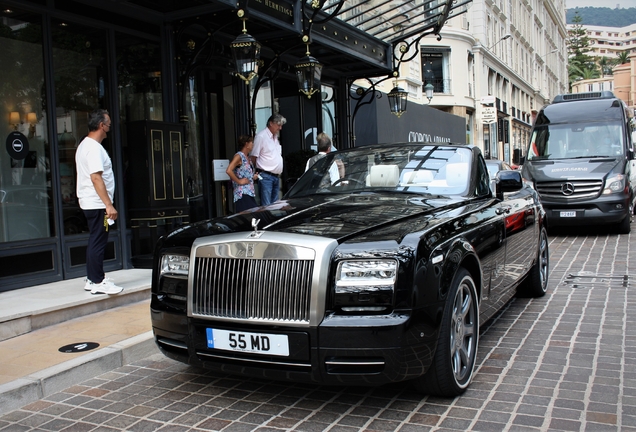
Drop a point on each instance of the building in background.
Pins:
(610, 41)
(493, 66)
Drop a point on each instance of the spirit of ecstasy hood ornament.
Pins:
(256, 233)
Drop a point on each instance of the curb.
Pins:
(23, 391)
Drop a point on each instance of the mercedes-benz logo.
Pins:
(567, 189)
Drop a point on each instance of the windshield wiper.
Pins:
(592, 157)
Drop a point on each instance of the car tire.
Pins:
(536, 282)
(624, 226)
(454, 360)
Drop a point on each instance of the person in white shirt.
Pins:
(267, 157)
(95, 191)
(336, 171)
(324, 147)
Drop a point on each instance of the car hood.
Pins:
(570, 169)
(339, 217)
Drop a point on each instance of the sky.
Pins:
(600, 3)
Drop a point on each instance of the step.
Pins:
(27, 309)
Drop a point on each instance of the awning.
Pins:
(359, 41)
(393, 21)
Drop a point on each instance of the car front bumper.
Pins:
(611, 209)
(360, 350)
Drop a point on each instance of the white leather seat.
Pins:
(456, 174)
(383, 176)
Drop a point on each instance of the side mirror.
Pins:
(508, 181)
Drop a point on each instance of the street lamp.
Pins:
(547, 54)
(308, 73)
(397, 100)
(247, 52)
(504, 37)
(539, 75)
(429, 89)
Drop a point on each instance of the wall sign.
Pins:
(17, 145)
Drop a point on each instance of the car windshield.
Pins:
(567, 141)
(408, 168)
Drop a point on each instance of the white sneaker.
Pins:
(88, 286)
(105, 287)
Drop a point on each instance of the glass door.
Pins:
(81, 85)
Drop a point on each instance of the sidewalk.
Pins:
(36, 322)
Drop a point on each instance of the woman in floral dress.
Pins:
(242, 174)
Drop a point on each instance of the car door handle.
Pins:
(502, 210)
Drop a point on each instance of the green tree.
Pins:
(606, 66)
(580, 64)
(577, 73)
(623, 57)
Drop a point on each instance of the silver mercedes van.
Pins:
(580, 160)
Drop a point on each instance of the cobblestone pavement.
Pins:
(564, 362)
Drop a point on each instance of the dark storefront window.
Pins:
(26, 206)
(80, 86)
(138, 79)
(435, 70)
(140, 100)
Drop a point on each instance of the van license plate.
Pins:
(257, 343)
(568, 214)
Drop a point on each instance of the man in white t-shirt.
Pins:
(95, 191)
(267, 157)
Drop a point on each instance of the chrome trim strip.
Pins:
(172, 343)
(303, 365)
(346, 363)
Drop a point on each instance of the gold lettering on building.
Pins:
(279, 8)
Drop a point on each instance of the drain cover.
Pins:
(593, 280)
(78, 347)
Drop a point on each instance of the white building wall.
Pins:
(522, 72)
(610, 41)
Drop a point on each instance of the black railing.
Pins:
(439, 85)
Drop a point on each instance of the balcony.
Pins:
(439, 85)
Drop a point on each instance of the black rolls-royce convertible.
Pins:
(380, 274)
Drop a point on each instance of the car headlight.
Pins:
(174, 265)
(614, 184)
(365, 285)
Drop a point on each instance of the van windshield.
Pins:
(580, 140)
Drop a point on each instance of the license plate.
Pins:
(258, 343)
(568, 214)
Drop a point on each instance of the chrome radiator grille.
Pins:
(571, 189)
(261, 289)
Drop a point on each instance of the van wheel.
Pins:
(624, 227)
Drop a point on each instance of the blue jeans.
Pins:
(268, 188)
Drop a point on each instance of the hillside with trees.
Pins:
(602, 16)
(582, 65)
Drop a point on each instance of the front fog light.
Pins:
(365, 285)
(177, 265)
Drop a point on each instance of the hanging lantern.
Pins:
(247, 52)
(308, 72)
(428, 89)
(397, 100)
